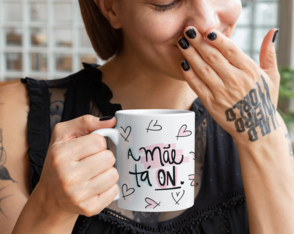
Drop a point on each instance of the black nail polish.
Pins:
(184, 43)
(106, 118)
(185, 66)
(191, 33)
(212, 36)
(276, 35)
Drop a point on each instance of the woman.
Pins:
(237, 127)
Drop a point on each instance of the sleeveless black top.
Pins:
(219, 206)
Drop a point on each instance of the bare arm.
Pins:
(14, 171)
(268, 176)
(14, 163)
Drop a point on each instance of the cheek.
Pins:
(154, 27)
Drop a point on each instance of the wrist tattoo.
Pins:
(290, 149)
(256, 110)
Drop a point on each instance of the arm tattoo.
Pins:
(4, 174)
(257, 112)
(1, 199)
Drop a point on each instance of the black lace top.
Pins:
(219, 206)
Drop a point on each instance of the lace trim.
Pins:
(181, 226)
(100, 91)
(39, 132)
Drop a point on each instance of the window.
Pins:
(43, 39)
(257, 18)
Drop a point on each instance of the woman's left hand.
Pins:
(241, 96)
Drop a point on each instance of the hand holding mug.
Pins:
(78, 175)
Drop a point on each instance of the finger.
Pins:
(107, 197)
(202, 69)
(97, 203)
(268, 56)
(212, 56)
(229, 50)
(79, 127)
(84, 146)
(94, 165)
(196, 84)
(102, 182)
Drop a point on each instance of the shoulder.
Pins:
(14, 98)
(14, 108)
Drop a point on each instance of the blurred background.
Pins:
(46, 39)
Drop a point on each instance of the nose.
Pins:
(203, 15)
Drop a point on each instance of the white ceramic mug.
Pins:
(154, 158)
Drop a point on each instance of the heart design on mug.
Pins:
(126, 135)
(151, 203)
(192, 177)
(183, 132)
(155, 127)
(178, 196)
(126, 191)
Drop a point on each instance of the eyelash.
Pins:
(166, 7)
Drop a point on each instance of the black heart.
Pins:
(126, 192)
(155, 127)
(125, 130)
(182, 182)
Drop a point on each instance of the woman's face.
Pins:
(152, 28)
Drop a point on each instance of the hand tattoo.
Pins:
(256, 110)
(4, 174)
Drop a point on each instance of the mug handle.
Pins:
(113, 134)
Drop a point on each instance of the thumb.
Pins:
(268, 57)
(80, 126)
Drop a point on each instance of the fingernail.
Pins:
(185, 66)
(106, 118)
(276, 35)
(212, 36)
(191, 33)
(184, 43)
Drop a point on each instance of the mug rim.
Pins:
(153, 112)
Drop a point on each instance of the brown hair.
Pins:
(105, 40)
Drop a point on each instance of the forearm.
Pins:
(268, 179)
(37, 218)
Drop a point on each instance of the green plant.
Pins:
(286, 92)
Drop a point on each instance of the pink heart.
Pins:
(184, 132)
(152, 204)
(192, 177)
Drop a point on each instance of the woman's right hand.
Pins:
(78, 176)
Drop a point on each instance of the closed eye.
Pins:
(166, 7)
